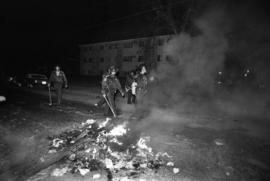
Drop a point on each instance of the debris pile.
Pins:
(108, 148)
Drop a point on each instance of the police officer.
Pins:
(59, 80)
(109, 86)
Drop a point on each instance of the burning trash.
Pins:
(59, 172)
(119, 130)
(97, 146)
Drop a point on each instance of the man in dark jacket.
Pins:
(109, 86)
(59, 80)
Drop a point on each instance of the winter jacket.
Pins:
(61, 79)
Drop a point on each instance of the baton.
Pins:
(50, 96)
(114, 115)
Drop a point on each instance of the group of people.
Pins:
(135, 87)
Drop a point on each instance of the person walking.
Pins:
(59, 80)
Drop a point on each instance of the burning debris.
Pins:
(105, 148)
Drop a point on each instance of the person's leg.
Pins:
(133, 99)
(58, 93)
(129, 97)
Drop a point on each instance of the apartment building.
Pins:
(127, 54)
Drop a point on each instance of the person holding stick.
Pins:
(109, 86)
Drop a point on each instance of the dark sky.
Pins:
(48, 31)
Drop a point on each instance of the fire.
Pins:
(97, 152)
(119, 130)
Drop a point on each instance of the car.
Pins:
(33, 79)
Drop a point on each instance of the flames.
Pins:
(105, 148)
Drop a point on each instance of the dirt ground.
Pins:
(204, 147)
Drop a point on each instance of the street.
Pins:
(203, 147)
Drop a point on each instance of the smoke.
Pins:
(193, 62)
(186, 81)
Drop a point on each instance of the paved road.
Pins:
(26, 120)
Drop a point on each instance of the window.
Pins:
(160, 42)
(101, 59)
(101, 47)
(89, 59)
(140, 59)
(128, 45)
(115, 46)
(89, 72)
(158, 58)
(89, 48)
(128, 58)
(141, 43)
(167, 58)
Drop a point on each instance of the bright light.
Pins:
(43, 82)
(119, 130)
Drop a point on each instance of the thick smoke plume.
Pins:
(186, 82)
(189, 74)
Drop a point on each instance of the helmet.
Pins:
(57, 67)
(112, 69)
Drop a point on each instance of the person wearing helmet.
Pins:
(109, 86)
(59, 80)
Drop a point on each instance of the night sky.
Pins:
(47, 32)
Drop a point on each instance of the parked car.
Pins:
(32, 80)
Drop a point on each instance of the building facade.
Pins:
(126, 55)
